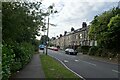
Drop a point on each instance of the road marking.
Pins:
(76, 60)
(65, 61)
(88, 62)
(68, 68)
(115, 71)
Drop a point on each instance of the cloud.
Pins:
(73, 12)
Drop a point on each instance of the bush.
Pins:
(99, 52)
(93, 50)
(7, 59)
(112, 53)
(15, 57)
(23, 54)
(84, 49)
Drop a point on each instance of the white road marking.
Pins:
(88, 62)
(115, 71)
(68, 67)
(76, 60)
(65, 61)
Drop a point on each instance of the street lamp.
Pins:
(50, 11)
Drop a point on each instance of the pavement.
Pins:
(32, 69)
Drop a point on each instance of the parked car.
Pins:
(41, 47)
(70, 51)
(53, 48)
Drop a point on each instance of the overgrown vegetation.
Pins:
(83, 49)
(105, 29)
(20, 26)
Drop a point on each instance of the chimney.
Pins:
(84, 24)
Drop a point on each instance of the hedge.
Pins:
(93, 50)
(15, 57)
(83, 49)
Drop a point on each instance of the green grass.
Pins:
(54, 69)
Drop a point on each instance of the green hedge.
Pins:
(93, 50)
(7, 59)
(83, 49)
(15, 57)
(101, 52)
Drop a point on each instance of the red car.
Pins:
(54, 48)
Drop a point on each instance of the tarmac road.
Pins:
(87, 67)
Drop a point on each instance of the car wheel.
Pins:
(65, 52)
(69, 53)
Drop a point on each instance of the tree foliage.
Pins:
(43, 39)
(112, 37)
(20, 26)
(105, 29)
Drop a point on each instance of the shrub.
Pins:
(7, 59)
(23, 54)
(27, 51)
(83, 49)
(111, 54)
(104, 53)
(99, 52)
(93, 50)
(15, 57)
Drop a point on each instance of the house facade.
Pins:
(74, 39)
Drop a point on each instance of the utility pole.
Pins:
(44, 36)
(50, 11)
(47, 37)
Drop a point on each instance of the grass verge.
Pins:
(54, 69)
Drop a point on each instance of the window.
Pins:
(80, 35)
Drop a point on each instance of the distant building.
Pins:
(74, 38)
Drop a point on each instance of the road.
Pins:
(85, 66)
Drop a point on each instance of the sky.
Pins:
(71, 13)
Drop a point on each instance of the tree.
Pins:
(44, 39)
(98, 27)
(21, 24)
(112, 37)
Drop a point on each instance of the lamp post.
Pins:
(50, 11)
(47, 37)
(44, 34)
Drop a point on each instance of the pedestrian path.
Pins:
(32, 70)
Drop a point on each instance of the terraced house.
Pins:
(74, 38)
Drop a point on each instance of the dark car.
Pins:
(70, 51)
